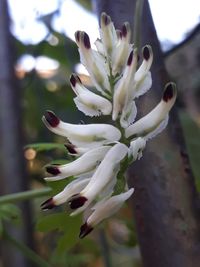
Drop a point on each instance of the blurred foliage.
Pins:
(66, 225)
(9, 213)
(85, 3)
(39, 147)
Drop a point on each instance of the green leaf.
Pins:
(51, 222)
(10, 212)
(192, 137)
(70, 238)
(60, 221)
(58, 162)
(45, 146)
(67, 241)
(68, 227)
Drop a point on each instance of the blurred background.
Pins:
(44, 55)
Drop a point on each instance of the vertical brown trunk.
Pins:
(165, 197)
(12, 172)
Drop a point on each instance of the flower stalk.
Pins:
(21, 196)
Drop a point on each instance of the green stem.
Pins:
(137, 22)
(25, 195)
(30, 254)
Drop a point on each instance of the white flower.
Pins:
(142, 79)
(104, 209)
(121, 89)
(136, 148)
(74, 150)
(88, 102)
(108, 35)
(104, 151)
(72, 188)
(105, 172)
(122, 49)
(155, 121)
(84, 135)
(94, 63)
(85, 163)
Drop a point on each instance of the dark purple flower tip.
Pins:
(130, 58)
(73, 80)
(48, 204)
(125, 29)
(105, 19)
(53, 170)
(77, 201)
(77, 36)
(86, 41)
(146, 52)
(70, 148)
(119, 34)
(85, 230)
(51, 118)
(169, 91)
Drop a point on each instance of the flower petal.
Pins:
(105, 172)
(93, 105)
(128, 114)
(136, 148)
(88, 102)
(142, 79)
(104, 209)
(122, 50)
(158, 129)
(74, 150)
(94, 63)
(84, 135)
(108, 34)
(121, 90)
(152, 120)
(141, 87)
(72, 188)
(85, 163)
(146, 63)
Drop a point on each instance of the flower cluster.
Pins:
(103, 151)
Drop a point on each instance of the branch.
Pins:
(189, 37)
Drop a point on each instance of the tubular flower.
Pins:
(104, 209)
(105, 172)
(72, 188)
(103, 152)
(88, 102)
(83, 135)
(155, 121)
(83, 164)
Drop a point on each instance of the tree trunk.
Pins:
(165, 199)
(12, 172)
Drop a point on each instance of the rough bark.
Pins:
(165, 200)
(12, 172)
